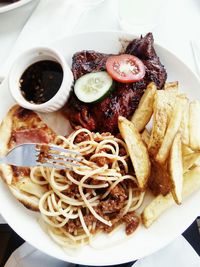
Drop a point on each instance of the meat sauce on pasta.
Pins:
(98, 195)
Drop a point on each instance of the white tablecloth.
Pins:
(179, 24)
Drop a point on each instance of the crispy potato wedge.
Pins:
(171, 85)
(184, 127)
(145, 136)
(176, 169)
(186, 150)
(156, 207)
(194, 125)
(190, 160)
(172, 129)
(137, 150)
(191, 183)
(197, 163)
(163, 106)
(143, 113)
(170, 97)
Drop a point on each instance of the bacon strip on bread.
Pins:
(22, 126)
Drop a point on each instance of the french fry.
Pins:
(197, 163)
(137, 150)
(190, 160)
(145, 136)
(194, 125)
(186, 150)
(163, 106)
(143, 113)
(172, 129)
(171, 85)
(156, 207)
(191, 183)
(184, 127)
(176, 169)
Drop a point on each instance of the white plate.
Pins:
(114, 249)
(4, 7)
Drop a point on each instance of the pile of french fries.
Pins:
(170, 151)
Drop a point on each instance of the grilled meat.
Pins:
(88, 61)
(103, 116)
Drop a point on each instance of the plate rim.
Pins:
(14, 5)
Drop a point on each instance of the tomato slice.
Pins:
(125, 68)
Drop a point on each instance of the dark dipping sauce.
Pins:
(41, 81)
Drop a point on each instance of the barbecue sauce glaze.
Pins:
(41, 81)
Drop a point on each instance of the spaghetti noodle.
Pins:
(97, 195)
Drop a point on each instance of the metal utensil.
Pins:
(29, 155)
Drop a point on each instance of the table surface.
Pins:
(178, 25)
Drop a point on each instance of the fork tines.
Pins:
(64, 150)
(57, 157)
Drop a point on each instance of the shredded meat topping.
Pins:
(132, 221)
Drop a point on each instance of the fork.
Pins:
(29, 155)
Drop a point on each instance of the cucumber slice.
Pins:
(92, 87)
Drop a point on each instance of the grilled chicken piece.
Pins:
(103, 116)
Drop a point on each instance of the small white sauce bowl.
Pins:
(30, 57)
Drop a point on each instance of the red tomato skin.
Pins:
(113, 64)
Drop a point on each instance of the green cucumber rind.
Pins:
(111, 89)
(107, 92)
